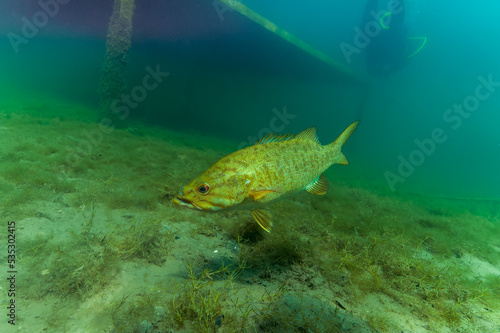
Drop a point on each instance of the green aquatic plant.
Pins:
(89, 220)
(81, 274)
(400, 267)
(78, 268)
(197, 300)
(211, 299)
(274, 250)
(146, 239)
(67, 270)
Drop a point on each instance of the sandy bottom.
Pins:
(100, 247)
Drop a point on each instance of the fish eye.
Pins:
(203, 189)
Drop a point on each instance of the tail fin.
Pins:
(341, 140)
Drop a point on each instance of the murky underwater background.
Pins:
(428, 133)
(226, 77)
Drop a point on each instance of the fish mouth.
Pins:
(185, 203)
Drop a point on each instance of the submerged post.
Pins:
(113, 79)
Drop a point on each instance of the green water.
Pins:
(405, 240)
(230, 101)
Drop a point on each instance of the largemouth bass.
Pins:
(275, 167)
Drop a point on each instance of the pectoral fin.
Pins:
(319, 186)
(257, 195)
(263, 218)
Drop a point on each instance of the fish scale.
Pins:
(285, 165)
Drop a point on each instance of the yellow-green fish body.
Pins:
(275, 167)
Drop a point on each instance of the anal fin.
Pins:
(263, 218)
(319, 186)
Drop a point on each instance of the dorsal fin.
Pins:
(308, 134)
(272, 137)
